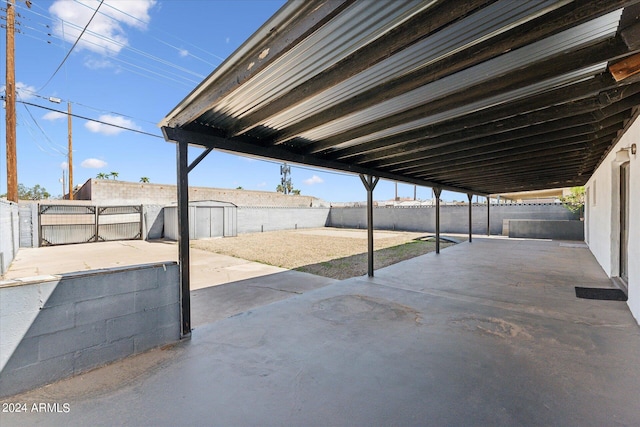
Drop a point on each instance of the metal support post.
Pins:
(183, 241)
(370, 184)
(488, 216)
(470, 197)
(436, 192)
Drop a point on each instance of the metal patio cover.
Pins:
(476, 96)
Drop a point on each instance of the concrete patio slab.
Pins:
(486, 333)
(208, 269)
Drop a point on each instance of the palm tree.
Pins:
(102, 175)
(114, 175)
(144, 179)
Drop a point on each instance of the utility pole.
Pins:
(70, 151)
(12, 161)
(64, 184)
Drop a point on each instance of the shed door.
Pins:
(217, 222)
(203, 222)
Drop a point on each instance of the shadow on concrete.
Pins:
(214, 303)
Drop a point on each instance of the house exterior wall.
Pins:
(602, 206)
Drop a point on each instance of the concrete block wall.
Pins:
(255, 219)
(9, 233)
(29, 232)
(53, 327)
(547, 229)
(453, 218)
(105, 191)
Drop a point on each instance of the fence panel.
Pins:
(69, 224)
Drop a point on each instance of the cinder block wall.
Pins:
(53, 327)
(547, 229)
(111, 192)
(255, 220)
(453, 219)
(9, 233)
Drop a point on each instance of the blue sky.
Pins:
(136, 61)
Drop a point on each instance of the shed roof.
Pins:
(481, 96)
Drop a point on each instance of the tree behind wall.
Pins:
(31, 193)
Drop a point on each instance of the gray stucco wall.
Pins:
(53, 327)
(153, 221)
(9, 233)
(453, 219)
(545, 229)
(256, 219)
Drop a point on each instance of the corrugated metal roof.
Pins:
(396, 89)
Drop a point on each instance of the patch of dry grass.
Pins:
(334, 253)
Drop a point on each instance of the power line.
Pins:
(74, 45)
(51, 143)
(92, 120)
(169, 34)
(115, 46)
(100, 110)
(124, 45)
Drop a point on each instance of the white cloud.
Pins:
(24, 92)
(54, 115)
(183, 52)
(93, 163)
(97, 64)
(106, 129)
(262, 184)
(106, 34)
(227, 40)
(315, 179)
(64, 165)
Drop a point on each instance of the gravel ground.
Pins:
(329, 252)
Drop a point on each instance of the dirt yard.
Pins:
(328, 252)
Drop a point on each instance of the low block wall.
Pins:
(53, 327)
(453, 218)
(541, 229)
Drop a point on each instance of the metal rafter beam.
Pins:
(488, 146)
(204, 138)
(549, 68)
(418, 27)
(544, 26)
(279, 36)
(603, 86)
(406, 151)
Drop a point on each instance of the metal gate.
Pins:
(67, 224)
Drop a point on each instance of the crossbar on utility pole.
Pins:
(369, 184)
(12, 160)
